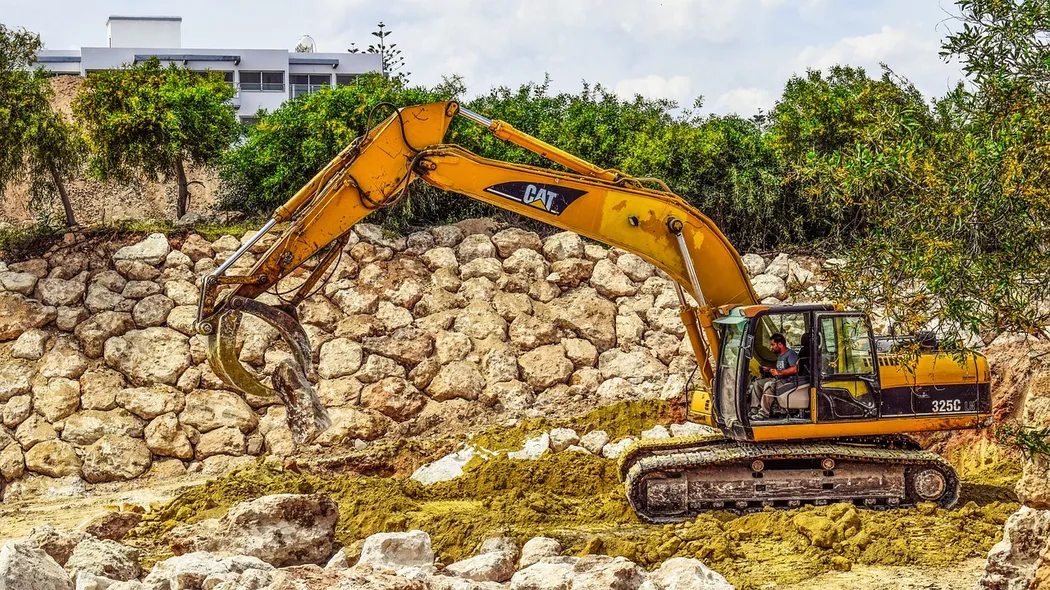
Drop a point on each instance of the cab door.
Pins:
(845, 368)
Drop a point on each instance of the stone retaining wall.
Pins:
(103, 379)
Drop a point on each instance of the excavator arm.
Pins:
(375, 171)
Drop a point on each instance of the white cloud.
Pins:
(744, 101)
(677, 88)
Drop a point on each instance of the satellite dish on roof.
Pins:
(306, 45)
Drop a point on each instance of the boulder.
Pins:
(18, 282)
(779, 267)
(98, 389)
(609, 280)
(536, 549)
(17, 410)
(754, 264)
(18, 314)
(339, 358)
(492, 566)
(149, 356)
(590, 315)
(563, 245)
(406, 345)
(378, 367)
(543, 576)
(185, 571)
(111, 525)
(197, 248)
(528, 332)
(393, 551)
(151, 251)
(56, 398)
(601, 572)
(636, 268)
(444, 469)
(451, 346)
(58, 292)
(210, 409)
(511, 240)
(114, 458)
(1012, 562)
(31, 345)
(528, 263)
(221, 441)
(68, 318)
(562, 438)
(512, 395)
(479, 321)
(458, 379)
(349, 424)
(16, 378)
(12, 462)
(594, 441)
(93, 332)
(53, 458)
(395, 398)
(33, 430)
(166, 438)
(87, 426)
(101, 299)
(447, 235)
(107, 559)
(24, 565)
(152, 311)
(63, 360)
(281, 529)
(489, 268)
(440, 258)
(638, 364)
(769, 286)
(614, 450)
(545, 366)
(533, 448)
(150, 402)
(58, 543)
(475, 246)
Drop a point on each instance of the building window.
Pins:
(262, 81)
(250, 120)
(226, 76)
(308, 83)
(346, 79)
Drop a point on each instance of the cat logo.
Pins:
(546, 197)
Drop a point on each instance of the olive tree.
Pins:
(150, 121)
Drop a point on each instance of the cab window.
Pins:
(845, 346)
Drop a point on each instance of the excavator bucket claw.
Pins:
(307, 417)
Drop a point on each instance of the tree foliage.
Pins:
(147, 120)
(39, 145)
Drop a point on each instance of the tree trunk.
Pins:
(182, 203)
(71, 221)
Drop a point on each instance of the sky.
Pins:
(736, 54)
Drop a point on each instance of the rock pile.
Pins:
(280, 542)
(103, 378)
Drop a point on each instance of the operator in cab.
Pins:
(764, 390)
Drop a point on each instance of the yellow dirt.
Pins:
(578, 499)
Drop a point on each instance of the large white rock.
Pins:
(23, 566)
(536, 549)
(153, 250)
(281, 529)
(658, 431)
(114, 458)
(685, 573)
(614, 450)
(494, 566)
(533, 448)
(543, 576)
(601, 572)
(563, 438)
(444, 469)
(153, 355)
(690, 429)
(1012, 562)
(754, 264)
(769, 286)
(393, 551)
(594, 441)
(108, 559)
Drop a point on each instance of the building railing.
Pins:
(300, 89)
(264, 87)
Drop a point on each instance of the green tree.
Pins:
(390, 56)
(39, 144)
(288, 146)
(151, 121)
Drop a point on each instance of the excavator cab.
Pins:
(838, 389)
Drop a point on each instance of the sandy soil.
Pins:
(961, 576)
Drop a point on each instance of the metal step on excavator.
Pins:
(809, 407)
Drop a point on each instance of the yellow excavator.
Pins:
(835, 431)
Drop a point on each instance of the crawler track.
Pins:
(675, 479)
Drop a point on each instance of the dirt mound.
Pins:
(578, 499)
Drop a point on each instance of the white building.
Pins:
(264, 78)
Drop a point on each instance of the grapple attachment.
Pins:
(307, 417)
